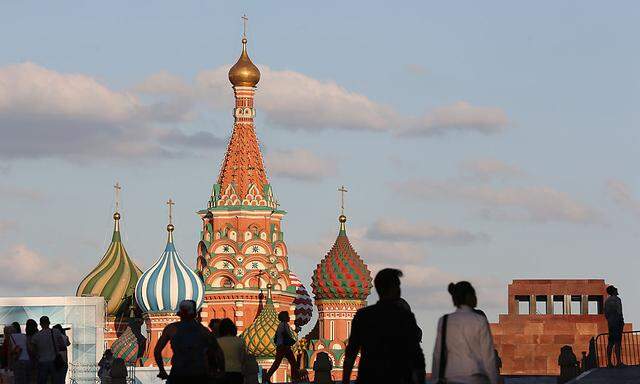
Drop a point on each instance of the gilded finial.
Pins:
(117, 187)
(170, 226)
(244, 73)
(116, 215)
(342, 218)
(245, 19)
(269, 286)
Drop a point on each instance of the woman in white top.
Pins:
(468, 356)
(21, 365)
(234, 352)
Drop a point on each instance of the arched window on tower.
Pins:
(331, 330)
(348, 328)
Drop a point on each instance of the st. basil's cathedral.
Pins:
(242, 266)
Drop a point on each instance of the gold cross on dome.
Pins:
(342, 191)
(171, 203)
(245, 19)
(117, 189)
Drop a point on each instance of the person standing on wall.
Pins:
(615, 321)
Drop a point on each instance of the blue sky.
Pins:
(485, 142)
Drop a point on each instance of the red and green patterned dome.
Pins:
(341, 275)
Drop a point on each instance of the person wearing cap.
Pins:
(615, 321)
(191, 343)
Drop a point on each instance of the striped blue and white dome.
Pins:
(169, 281)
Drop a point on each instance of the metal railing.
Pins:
(629, 348)
(88, 373)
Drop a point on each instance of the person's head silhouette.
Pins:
(284, 317)
(463, 293)
(612, 291)
(387, 283)
(187, 310)
(44, 322)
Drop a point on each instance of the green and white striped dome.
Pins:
(115, 277)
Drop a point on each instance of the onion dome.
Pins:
(341, 275)
(115, 277)
(129, 346)
(258, 337)
(303, 302)
(169, 281)
(244, 73)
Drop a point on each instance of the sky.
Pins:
(486, 142)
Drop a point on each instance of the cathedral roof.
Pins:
(243, 179)
(244, 73)
(243, 166)
(258, 337)
(169, 281)
(341, 275)
(303, 303)
(115, 277)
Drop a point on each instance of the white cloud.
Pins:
(623, 196)
(299, 164)
(488, 169)
(22, 269)
(539, 204)
(7, 225)
(460, 116)
(44, 113)
(402, 230)
(296, 101)
(20, 193)
(417, 69)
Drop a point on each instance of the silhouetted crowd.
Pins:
(385, 336)
(35, 356)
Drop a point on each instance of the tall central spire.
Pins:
(243, 178)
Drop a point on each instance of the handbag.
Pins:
(58, 361)
(443, 353)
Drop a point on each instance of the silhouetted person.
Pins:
(63, 350)
(387, 337)
(591, 356)
(118, 371)
(322, 369)
(250, 370)
(468, 355)
(46, 345)
(284, 341)
(7, 358)
(105, 363)
(214, 327)
(190, 342)
(615, 321)
(31, 329)
(568, 363)
(20, 352)
(234, 351)
(16, 327)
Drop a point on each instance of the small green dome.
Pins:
(258, 337)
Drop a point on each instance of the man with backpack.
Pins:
(284, 341)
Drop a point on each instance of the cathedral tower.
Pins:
(242, 247)
(341, 284)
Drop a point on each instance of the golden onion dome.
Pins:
(244, 73)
